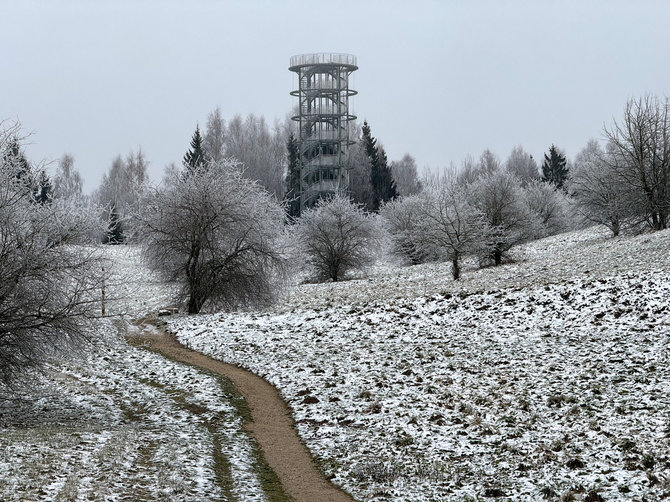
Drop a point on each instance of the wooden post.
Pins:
(103, 291)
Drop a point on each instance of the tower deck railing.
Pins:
(322, 58)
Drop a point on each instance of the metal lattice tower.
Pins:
(323, 116)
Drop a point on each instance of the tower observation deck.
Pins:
(323, 115)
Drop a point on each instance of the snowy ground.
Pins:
(123, 423)
(545, 378)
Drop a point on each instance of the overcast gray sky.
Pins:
(437, 79)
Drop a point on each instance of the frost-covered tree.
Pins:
(43, 189)
(48, 290)
(67, 181)
(471, 170)
(601, 194)
(405, 175)
(522, 165)
(214, 139)
(639, 147)
(215, 234)
(468, 171)
(261, 149)
(114, 231)
(337, 236)
(360, 188)
(13, 156)
(550, 206)
(499, 198)
(404, 221)
(34, 177)
(439, 223)
(555, 167)
(488, 162)
(123, 188)
(452, 224)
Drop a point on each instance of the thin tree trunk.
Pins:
(497, 257)
(194, 300)
(455, 268)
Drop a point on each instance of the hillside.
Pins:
(546, 377)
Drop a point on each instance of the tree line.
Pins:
(220, 224)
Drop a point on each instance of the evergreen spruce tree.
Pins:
(292, 196)
(195, 157)
(555, 168)
(114, 234)
(43, 189)
(13, 156)
(381, 178)
(369, 143)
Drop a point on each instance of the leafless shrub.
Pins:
(550, 206)
(338, 236)
(49, 288)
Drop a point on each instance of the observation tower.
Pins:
(323, 121)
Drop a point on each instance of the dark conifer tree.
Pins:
(292, 196)
(13, 156)
(114, 234)
(43, 189)
(369, 143)
(555, 167)
(195, 157)
(381, 178)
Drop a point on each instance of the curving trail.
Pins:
(272, 425)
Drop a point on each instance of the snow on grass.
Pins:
(543, 378)
(123, 423)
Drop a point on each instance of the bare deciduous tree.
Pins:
(48, 290)
(549, 204)
(216, 233)
(470, 171)
(451, 223)
(260, 149)
(522, 165)
(499, 197)
(601, 194)
(122, 190)
(405, 175)
(640, 151)
(67, 181)
(214, 140)
(337, 236)
(404, 220)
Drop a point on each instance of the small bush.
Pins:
(337, 236)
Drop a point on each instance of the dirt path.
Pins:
(272, 425)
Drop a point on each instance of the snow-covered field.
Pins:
(122, 423)
(541, 379)
(546, 378)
